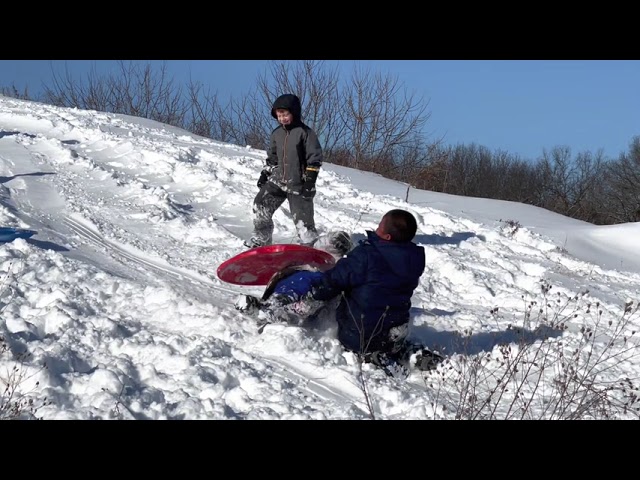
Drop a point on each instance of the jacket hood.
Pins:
(407, 260)
(291, 102)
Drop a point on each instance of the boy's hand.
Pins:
(308, 190)
(264, 176)
(309, 186)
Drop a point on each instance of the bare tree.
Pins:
(379, 117)
(571, 187)
(317, 85)
(523, 182)
(624, 191)
(587, 175)
(136, 90)
(462, 170)
(409, 162)
(12, 91)
(434, 175)
(247, 120)
(555, 167)
(370, 124)
(253, 122)
(207, 117)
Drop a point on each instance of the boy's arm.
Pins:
(313, 151)
(313, 161)
(272, 153)
(348, 273)
(271, 162)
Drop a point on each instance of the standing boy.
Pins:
(292, 166)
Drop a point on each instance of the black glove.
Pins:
(309, 186)
(264, 176)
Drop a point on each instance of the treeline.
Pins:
(368, 121)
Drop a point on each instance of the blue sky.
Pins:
(521, 106)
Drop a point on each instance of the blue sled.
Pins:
(8, 234)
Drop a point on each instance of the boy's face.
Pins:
(284, 116)
(381, 231)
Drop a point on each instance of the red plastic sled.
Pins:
(258, 265)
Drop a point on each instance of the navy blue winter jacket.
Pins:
(378, 278)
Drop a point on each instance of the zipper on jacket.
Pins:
(284, 157)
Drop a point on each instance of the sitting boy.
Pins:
(373, 283)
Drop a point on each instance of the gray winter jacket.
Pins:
(295, 153)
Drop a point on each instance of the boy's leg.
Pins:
(267, 201)
(425, 359)
(388, 362)
(389, 353)
(276, 310)
(279, 309)
(283, 308)
(303, 218)
(247, 303)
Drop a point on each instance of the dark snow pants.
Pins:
(268, 200)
